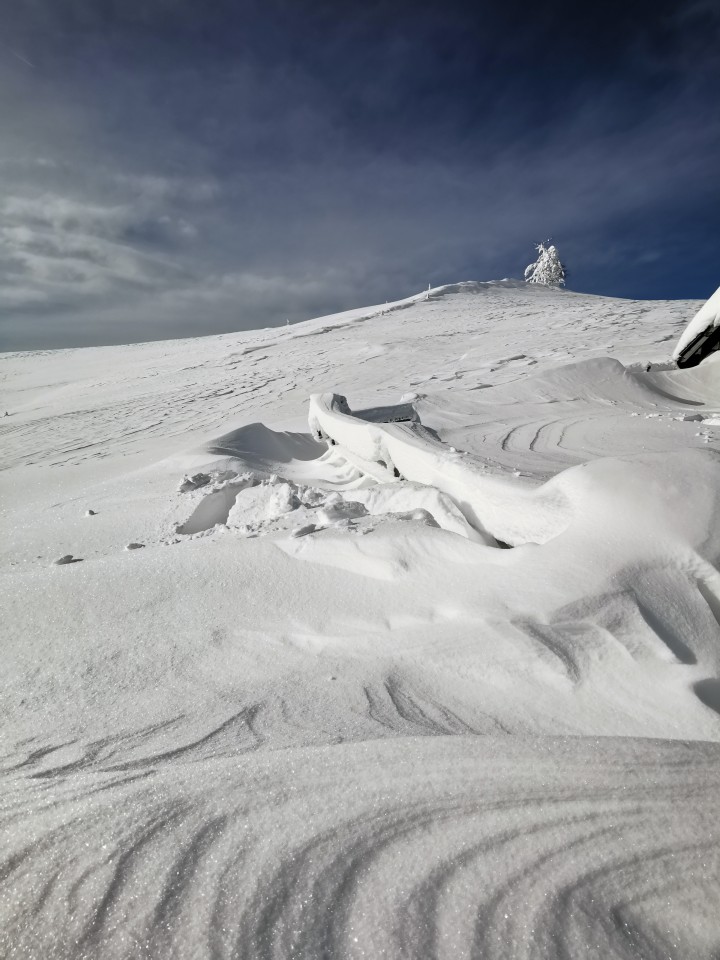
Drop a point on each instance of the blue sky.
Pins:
(172, 168)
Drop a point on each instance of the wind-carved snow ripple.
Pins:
(545, 446)
(443, 847)
(578, 412)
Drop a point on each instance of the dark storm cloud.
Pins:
(171, 169)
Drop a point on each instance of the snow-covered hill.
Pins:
(442, 687)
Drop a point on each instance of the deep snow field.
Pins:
(438, 688)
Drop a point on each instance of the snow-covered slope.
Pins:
(446, 686)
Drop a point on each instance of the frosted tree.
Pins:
(548, 268)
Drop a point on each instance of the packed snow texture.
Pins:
(426, 666)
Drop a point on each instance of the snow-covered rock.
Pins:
(700, 337)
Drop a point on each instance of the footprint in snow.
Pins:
(134, 546)
(68, 558)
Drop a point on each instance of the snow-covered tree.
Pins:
(548, 268)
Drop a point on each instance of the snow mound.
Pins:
(260, 448)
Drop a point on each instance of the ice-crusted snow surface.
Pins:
(434, 675)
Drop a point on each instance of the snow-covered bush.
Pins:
(548, 268)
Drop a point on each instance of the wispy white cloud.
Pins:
(165, 188)
(251, 298)
(62, 250)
